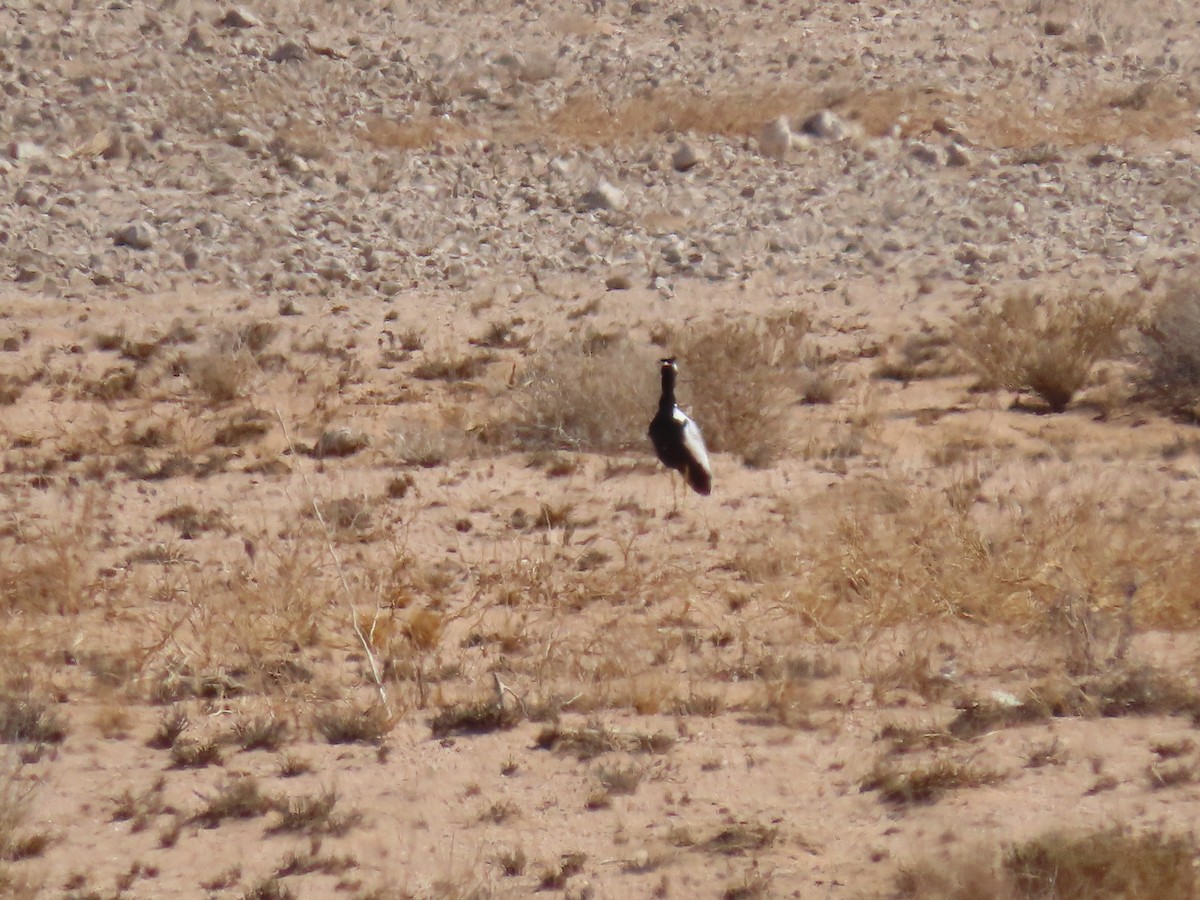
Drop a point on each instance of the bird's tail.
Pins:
(700, 480)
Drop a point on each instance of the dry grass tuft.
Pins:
(238, 798)
(263, 732)
(594, 395)
(595, 740)
(739, 839)
(171, 725)
(1110, 863)
(304, 862)
(554, 878)
(17, 842)
(314, 814)
(225, 370)
(1169, 352)
(920, 784)
(141, 808)
(1043, 345)
(474, 717)
(25, 719)
(189, 754)
(48, 572)
(742, 378)
(452, 366)
(348, 723)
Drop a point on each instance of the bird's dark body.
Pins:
(666, 433)
(676, 438)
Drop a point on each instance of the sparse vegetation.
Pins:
(314, 814)
(596, 394)
(348, 723)
(25, 719)
(925, 782)
(745, 377)
(238, 798)
(1045, 345)
(1169, 351)
(17, 840)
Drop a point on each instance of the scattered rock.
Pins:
(288, 51)
(775, 138)
(685, 157)
(135, 235)
(23, 151)
(928, 154)
(604, 196)
(250, 140)
(826, 125)
(236, 17)
(1056, 26)
(199, 39)
(958, 155)
(618, 281)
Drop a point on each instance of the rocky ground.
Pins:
(333, 559)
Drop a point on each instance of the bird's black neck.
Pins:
(667, 400)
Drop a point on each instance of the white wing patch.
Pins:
(693, 441)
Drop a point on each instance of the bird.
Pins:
(677, 439)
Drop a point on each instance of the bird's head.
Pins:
(669, 363)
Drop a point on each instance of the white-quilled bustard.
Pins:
(677, 439)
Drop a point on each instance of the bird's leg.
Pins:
(674, 500)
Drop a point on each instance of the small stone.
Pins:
(333, 269)
(775, 139)
(958, 155)
(618, 281)
(191, 258)
(604, 196)
(23, 151)
(685, 157)
(1056, 27)
(236, 17)
(135, 235)
(27, 196)
(115, 148)
(249, 139)
(288, 51)
(199, 39)
(927, 154)
(826, 125)
(1106, 154)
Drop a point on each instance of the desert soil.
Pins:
(304, 305)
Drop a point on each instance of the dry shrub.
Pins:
(49, 572)
(598, 394)
(1169, 352)
(17, 842)
(223, 372)
(1110, 863)
(743, 377)
(895, 554)
(1043, 345)
(925, 783)
(1060, 865)
(429, 446)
